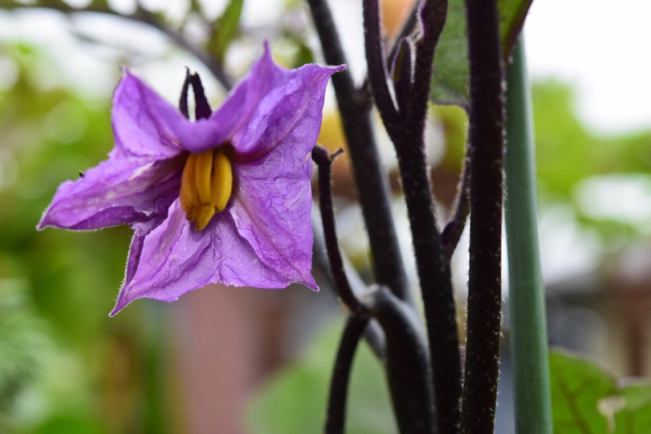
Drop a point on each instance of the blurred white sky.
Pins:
(601, 48)
(598, 48)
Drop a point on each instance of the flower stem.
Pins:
(526, 290)
(451, 234)
(371, 180)
(484, 285)
(407, 134)
(324, 161)
(336, 413)
(407, 363)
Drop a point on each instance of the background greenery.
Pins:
(65, 367)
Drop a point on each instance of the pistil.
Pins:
(206, 186)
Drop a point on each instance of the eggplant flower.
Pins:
(223, 199)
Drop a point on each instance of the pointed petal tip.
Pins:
(120, 304)
(310, 283)
(43, 223)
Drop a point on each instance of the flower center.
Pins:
(206, 186)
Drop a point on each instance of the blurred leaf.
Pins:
(71, 424)
(295, 400)
(511, 15)
(577, 386)
(94, 5)
(57, 287)
(225, 29)
(451, 68)
(587, 399)
(304, 54)
(567, 152)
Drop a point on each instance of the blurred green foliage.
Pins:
(588, 399)
(451, 69)
(295, 400)
(64, 366)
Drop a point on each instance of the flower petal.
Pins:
(292, 106)
(254, 104)
(117, 191)
(174, 258)
(272, 207)
(144, 123)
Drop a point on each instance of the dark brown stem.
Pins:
(407, 365)
(486, 178)
(451, 234)
(370, 178)
(377, 71)
(406, 30)
(432, 264)
(324, 162)
(373, 333)
(336, 413)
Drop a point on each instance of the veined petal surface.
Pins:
(175, 258)
(118, 191)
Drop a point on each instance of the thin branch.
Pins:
(142, 16)
(486, 192)
(377, 70)
(432, 18)
(373, 333)
(336, 413)
(451, 234)
(407, 29)
(432, 265)
(324, 161)
(370, 178)
(410, 379)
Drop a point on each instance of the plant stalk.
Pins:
(486, 161)
(526, 290)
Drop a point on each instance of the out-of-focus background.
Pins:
(234, 360)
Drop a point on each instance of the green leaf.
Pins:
(635, 415)
(511, 15)
(577, 387)
(225, 29)
(451, 69)
(588, 399)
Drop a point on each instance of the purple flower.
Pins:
(224, 199)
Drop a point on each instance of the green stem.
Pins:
(526, 290)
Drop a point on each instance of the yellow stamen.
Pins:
(206, 186)
(203, 216)
(188, 195)
(222, 180)
(202, 175)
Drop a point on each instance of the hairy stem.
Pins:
(407, 364)
(371, 180)
(484, 284)
(336, 413)
(373, 334)
(451, 234)
(324, 161)
(432, 265)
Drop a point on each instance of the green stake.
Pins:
(526, 290)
